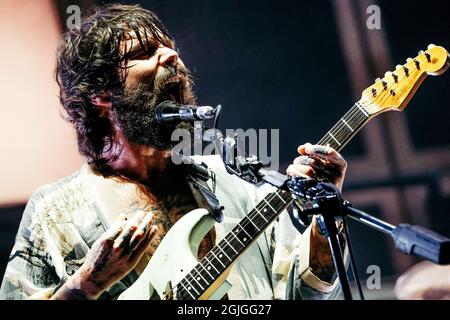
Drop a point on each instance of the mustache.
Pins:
(167, 79)
(169, 75)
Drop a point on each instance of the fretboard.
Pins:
(199, 279)
(344, 130)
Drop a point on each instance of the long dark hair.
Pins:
(89, 62)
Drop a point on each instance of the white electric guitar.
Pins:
(174, 271)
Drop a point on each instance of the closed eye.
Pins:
(138, 53)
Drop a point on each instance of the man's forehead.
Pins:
(148, 38)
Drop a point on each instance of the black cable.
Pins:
(352, 260)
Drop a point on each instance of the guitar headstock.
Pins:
(394, 91)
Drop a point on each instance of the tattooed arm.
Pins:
(111, 257)
(317, 161)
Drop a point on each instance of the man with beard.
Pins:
(90, 235)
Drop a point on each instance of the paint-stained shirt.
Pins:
(62, 221)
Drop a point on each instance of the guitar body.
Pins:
(174, 258)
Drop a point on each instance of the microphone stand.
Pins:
(324, 199)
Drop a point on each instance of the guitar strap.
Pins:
(197, 175)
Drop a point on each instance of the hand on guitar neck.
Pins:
(319, 162)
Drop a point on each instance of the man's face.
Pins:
(153, 74)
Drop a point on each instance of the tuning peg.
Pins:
(377, 79)
(431, 46)
(398, 67)
(387, 74)
(409, 60)
(420, 52)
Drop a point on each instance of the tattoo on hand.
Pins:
(322, 150)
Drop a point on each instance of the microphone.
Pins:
(169, 112)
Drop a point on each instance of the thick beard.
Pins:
(135, 109)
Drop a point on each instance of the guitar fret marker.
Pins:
(262, 214)
(198, 284)
(191, 286)
(206, 269)
(237, 239)
(217, 259)
(187, 290)
(245, 233)
(200, 276)
(223, 253)
(211, 264)
(270, 205)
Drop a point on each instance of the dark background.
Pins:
(280, 64)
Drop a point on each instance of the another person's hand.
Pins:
(111, 257)
(316, 161)
(424, 281)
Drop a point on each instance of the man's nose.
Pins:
(167, 56)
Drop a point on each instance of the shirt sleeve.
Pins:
(30, 273)
(292, 277)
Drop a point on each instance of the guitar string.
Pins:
(384, 96)
(245, 223)
(230, 241)
(351, 114)
(336, 130)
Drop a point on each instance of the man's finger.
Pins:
(143, 245)
(301, 171)
(325, 152)
(116, 228)
(141, 231)
(123, 240)
(304, 160)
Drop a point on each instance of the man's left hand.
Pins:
(316, 161)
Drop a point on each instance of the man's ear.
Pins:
(102, 101)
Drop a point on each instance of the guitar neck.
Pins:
(346, 128)
(221, 257)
